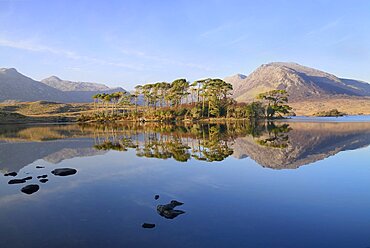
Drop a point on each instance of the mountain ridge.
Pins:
(300, 81)
(66, 85)
(18, 87)
(27, 90)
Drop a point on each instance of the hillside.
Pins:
(15, 86)
(18, 87)
(65, 85)
(301, 82)
(237, 81)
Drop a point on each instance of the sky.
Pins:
(125, 43)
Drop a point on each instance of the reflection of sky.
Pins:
(233, 203)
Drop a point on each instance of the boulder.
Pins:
(16, 181)
(167, 211)
(148, 225)
(30, 189)
(12, 174)
(64, 172)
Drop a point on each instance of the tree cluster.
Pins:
(202, 99)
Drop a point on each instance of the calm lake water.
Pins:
(293, 184)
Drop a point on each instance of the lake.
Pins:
(296, 183)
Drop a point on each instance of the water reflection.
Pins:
(274, 145)
(123, 187)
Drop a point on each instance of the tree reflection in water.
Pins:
(206, 142)
(277, 136)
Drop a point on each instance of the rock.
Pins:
(43, 176)
(156, 197)
(39, 167)
(44, 180)
(148, 225)
(64, 172)
(16, 181)
(12, 174)
(27, 178)
(176, 203)
(167, 211)
(30, 189)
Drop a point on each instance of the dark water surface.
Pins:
(278, 184)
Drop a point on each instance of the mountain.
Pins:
(237, 82)
(65, 85)
(16, 86)
(306, 143)
(301, 82)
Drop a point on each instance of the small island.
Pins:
(203, 100)
(330, 113)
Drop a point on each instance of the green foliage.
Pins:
(180, 100)
(276, 100)
(196, 112)
(330, 113)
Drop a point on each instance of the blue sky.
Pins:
(133, 42)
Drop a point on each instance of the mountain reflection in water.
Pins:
(193, 185)
(276, 145)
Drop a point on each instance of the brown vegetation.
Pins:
(349, 105)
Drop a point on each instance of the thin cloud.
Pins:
(163, 60)
(324, 28)
(30, 46)
(216, 30)
(33, 47)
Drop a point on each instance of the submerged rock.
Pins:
(43, 176)
(12, 174)
(44, 180)
(64, 172)
(148, 225)
(16, 181)
(169, 214)
(167, 211)
(176, 203)
(30, 189)
(156, 197)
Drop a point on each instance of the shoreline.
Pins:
(308, 119)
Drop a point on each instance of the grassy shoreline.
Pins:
(48, 112)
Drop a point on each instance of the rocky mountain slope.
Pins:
(237, 81)
(301, 82)
(65, 85)
(16, 86)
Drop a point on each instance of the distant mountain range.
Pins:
(301, 82)
(16, 86)
(65, 85)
